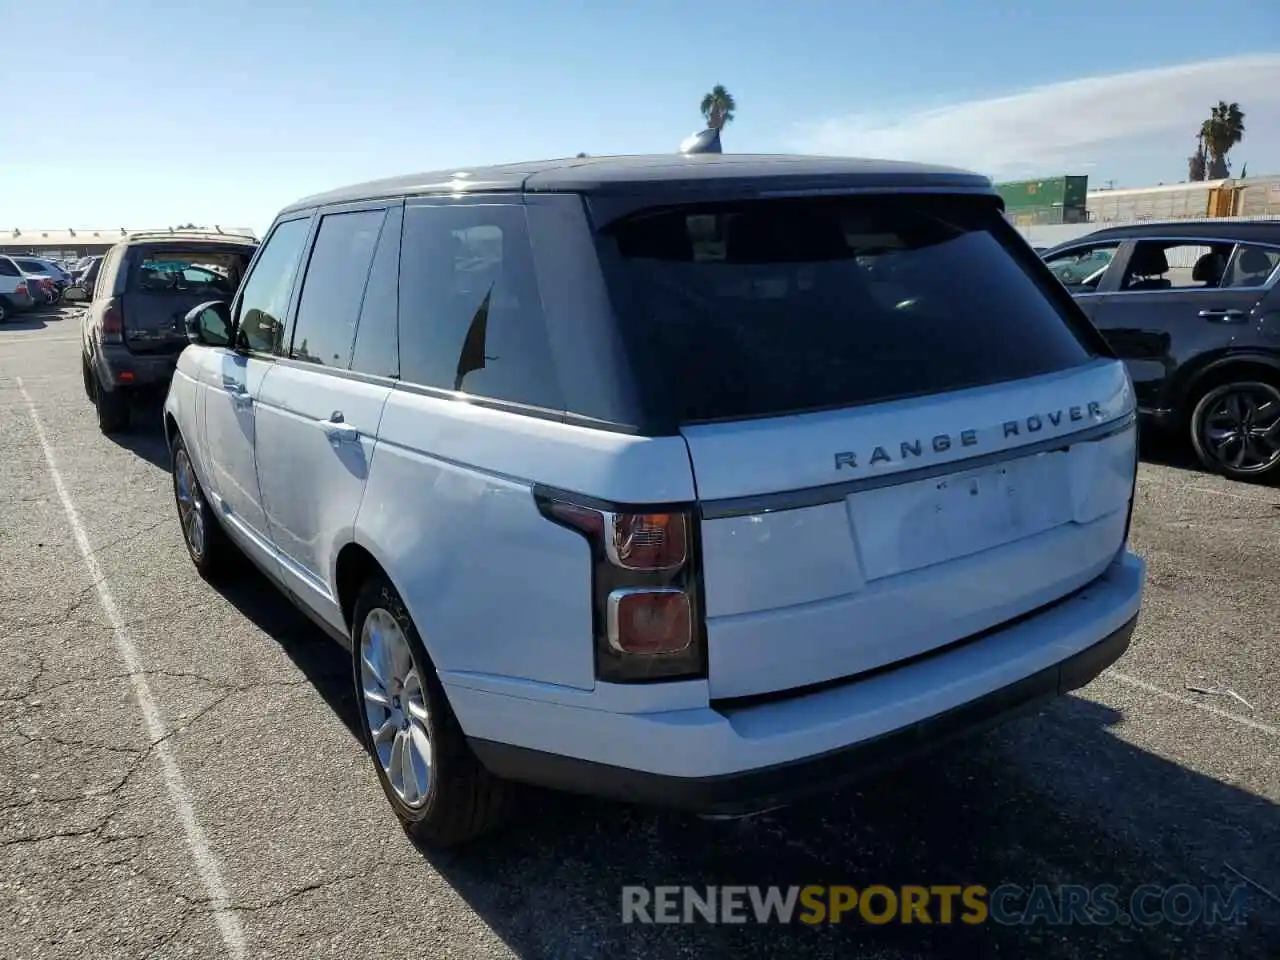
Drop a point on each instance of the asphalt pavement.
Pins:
(180, 776)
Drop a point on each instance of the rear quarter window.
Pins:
(769, 307)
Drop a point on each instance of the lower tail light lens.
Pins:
(649, 621)
(20, 290)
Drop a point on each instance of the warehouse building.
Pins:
(71, 244)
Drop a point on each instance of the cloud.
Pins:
(1142, 122)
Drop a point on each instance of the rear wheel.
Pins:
(5, 311)
(442, 794)
(86, 375)
(1235, 430)
(113, 407)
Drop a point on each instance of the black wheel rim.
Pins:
(1240, 428)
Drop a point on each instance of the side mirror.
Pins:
(209, 324)
(75, 294)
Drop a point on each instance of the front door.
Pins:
(233, 381)
(317, 417)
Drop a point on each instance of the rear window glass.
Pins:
(778, 306)
(32, 266)
(215, 273)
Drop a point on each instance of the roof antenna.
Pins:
(705, 141)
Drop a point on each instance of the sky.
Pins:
(223, 113)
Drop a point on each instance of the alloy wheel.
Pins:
(1239, 427)
(395, 706)
(190, 503)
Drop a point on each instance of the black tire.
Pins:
(463, 800)
(113, 408)
(86, 374)
(6, 311)
(1232, 427)
(212, 552)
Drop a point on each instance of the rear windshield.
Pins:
(32, 266)
(215, 273)
(770, 307)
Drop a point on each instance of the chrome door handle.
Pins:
(1223, 316)
(338, 430)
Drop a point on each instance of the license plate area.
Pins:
(925, 522)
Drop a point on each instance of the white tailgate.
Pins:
(837, 543)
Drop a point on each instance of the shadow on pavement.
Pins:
(1056, 797)
(1050, 798)
(145, 434)
(22, 322)
(321, 659)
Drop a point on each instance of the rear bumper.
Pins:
(119, 367)
(731, 759)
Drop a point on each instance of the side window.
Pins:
(1170, 265)
(1083, 266)
(470, 311)
(377, 347)
(7, 269)
(1251, 266)
(333, 287)
(266, 289)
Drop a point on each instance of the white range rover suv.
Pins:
(706, 481)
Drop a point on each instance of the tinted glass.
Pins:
(212, 274)
(7, 269)
(470, 313)
(777, 306)
(334, 287)
(32, 266)
(1083, 266)
(377, 350)
(1165, 265)
(1252, 266)
(266, 289)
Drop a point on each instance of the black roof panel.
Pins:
(662, 171)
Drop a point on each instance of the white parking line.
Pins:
(224, 916)
(1264, 728)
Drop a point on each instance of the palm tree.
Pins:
(718, 107)
(1222, 131)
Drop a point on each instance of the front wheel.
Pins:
(206, 541)
(441, 793)
(1235, 430)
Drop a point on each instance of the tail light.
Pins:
(646, 608)
(112, 322)
(20, 290)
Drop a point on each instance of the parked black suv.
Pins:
(1193, 309)
(133, 330)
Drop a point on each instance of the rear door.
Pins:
(317, 416)
(901, 432)
(161, 282)
(1165, 312)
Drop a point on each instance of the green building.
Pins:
(1046, 201)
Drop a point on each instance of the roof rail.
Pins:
(188, 234)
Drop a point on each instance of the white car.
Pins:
(707, 481)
